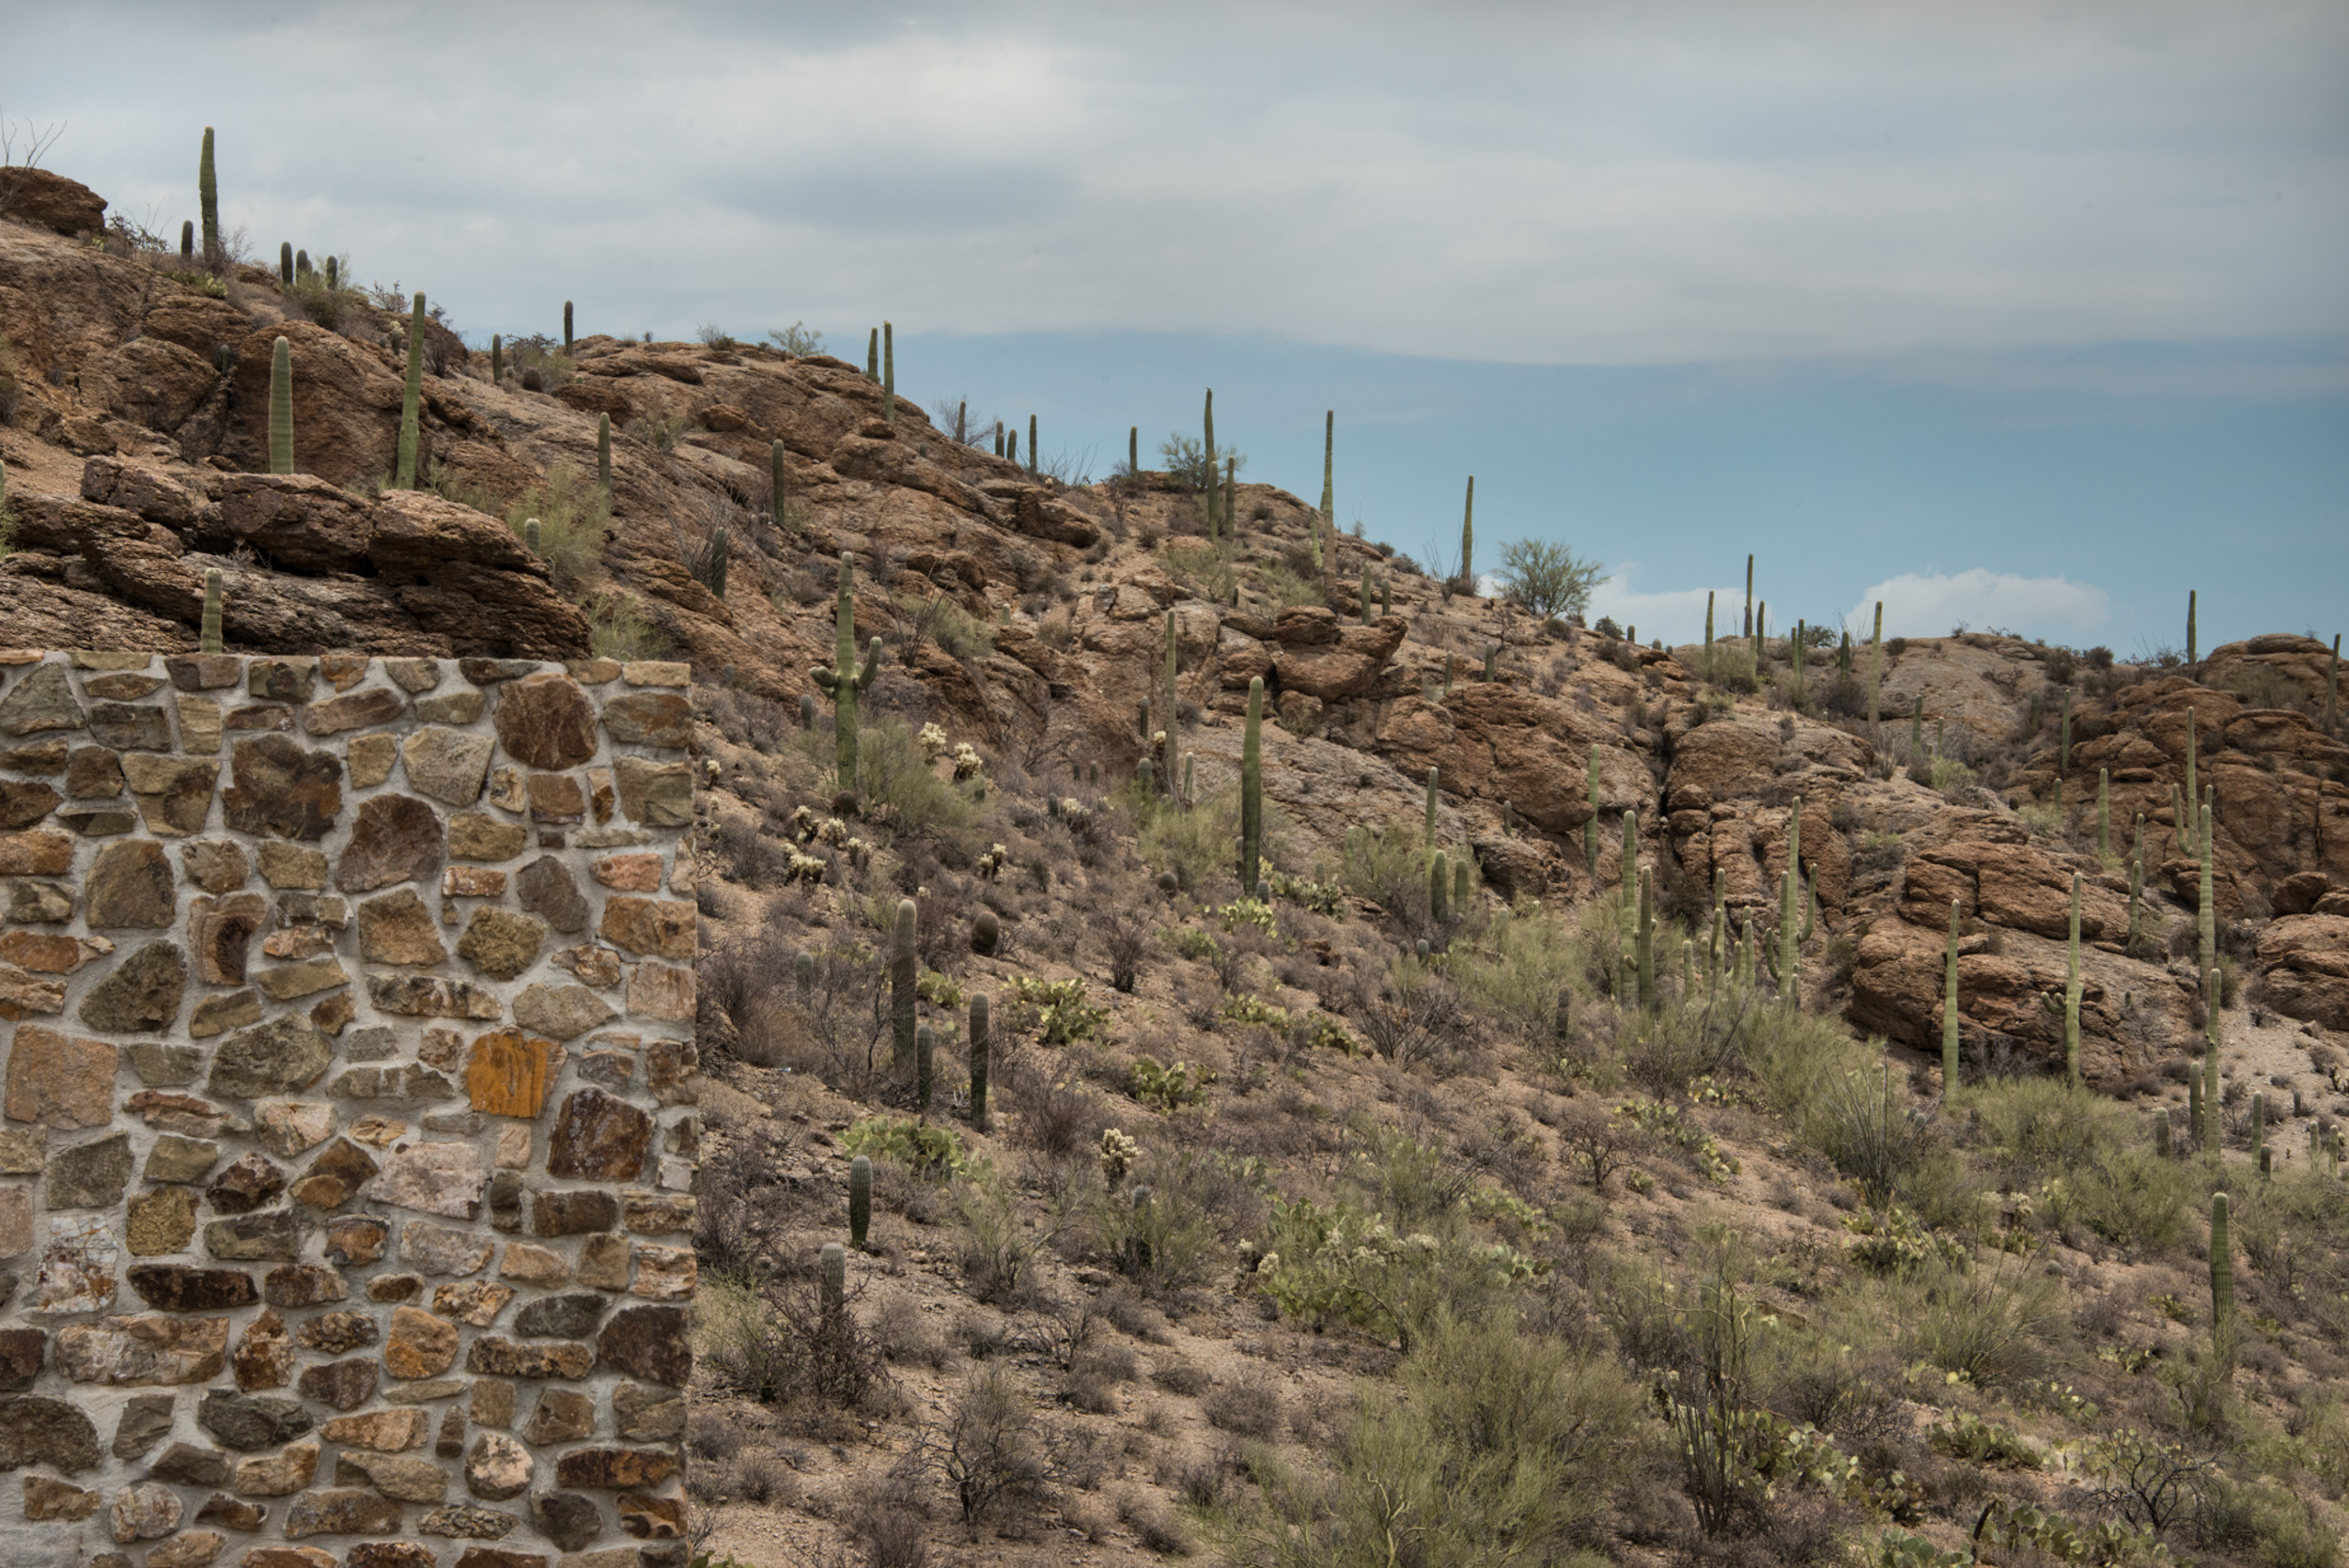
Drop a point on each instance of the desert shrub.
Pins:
(1196, 844)
(1996, 1324)
(1496, 1435)
(896, 783)
(1966, 1435)
(1055, 1010)
(618, 629)
(322, 304)
(1125, 939)
(987, 1448)
(573, 514)
(1388, 867)
(2265, 685)
(779, 1342)
(1863, 1122)
(1410, 1013)
(1284, 587)
(1249, 1405)
(928, 1152)
(1519, 968)
(1203, 569)
(1154, 1229)
(2295, 1231)
(1056, 1114)
(995, 1244)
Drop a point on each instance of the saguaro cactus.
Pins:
(836, 1287)
(566, 326)
(1440, 889)
(1365, 598)
(1468, 540)
(1459, 885)
(845, 678)
(1749, 631)
(187, 242)
(1949, 1010)
(1207, 420)
(1032, 446)
(888, 372)
(285, 261)
(903, 973)
(1252, 784)
(1328, 499)
(860, 1199)
(1791, 935)
(281, 447)
(2162, 1143)
(2222, 1281)
(207, 200)
(978, 1060)
(497, 359)
(1432, 771)
(1133, 453)
(2189, 626)
(872, 355)
(412, 400)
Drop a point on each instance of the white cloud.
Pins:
(1931, 604)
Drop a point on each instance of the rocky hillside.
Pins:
(1498, 1164)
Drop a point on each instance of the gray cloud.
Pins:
(1582, 183)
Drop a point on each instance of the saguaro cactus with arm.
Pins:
(846, 679)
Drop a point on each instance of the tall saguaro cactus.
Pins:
(904, 974)
(1791, 933)
(1031, 447)
(1329, 498)
(412, 400)
(281, 445)
(1749, 631)
(1207, 420)
(1645, 947)
(1948, 1010)
(846, 679)
(497, 359)
(1252, 784)
(1468, 540)
(1440, 889)
(566, 326)
(208, 199)
(888, 372)
(2189, 626)
(285, 261)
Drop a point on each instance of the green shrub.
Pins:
(1388, 867)
(1496, 1435)
(1964, 1435)
(1519, 967)
(617, 628)
(573, 514)
(1170, 1086)
(1991, 1325)
(1862, 1122)
(899, 787)
(324, 307)
(1284, 587)
(1203, 569)
(1055, 1009)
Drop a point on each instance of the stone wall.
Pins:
(348, 1156)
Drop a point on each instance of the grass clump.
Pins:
(574, 514)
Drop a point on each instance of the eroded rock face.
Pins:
(2303, 962)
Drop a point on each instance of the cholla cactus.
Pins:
(1118, 1153)
(967, 763)
(805, 868)
(990, 865)
(1071, 810)
(803, 824)
(833, 831)
(933, 741)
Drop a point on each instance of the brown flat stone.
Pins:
(278, 790)
(660, 928)
(656, 794)
(44, 700)
(382, 1431)
(59, 1080)
(663, 992)
(289, 868)
(398, 929)
(448, 764)
(396, 838)
(355, 710)
(35, 854)
(371, 757)
(132, 1352)
(472, 836)
(160, 1223)
(599, 1136)
(648, 1344)
(501, 943)
(174, 794)
(613, 1469)
(419, 995)
(142, 994)
(420, 1345)
(264, 1357)
(492, 1357)
(542, 720)
(24, 803)
(178, 1288)
(220, 1014)
(343, 1385)
(221, 930)
(341, 1511)
(131, 884)
(507, 1074)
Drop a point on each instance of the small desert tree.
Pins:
(1547, 579)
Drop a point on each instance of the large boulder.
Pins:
(346, 404)
(1495, 742)
(48, 201)
(2304, 965)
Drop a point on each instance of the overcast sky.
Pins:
(2128, 220)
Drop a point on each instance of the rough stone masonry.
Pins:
(346, 1140)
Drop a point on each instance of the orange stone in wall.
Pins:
(507, 1074)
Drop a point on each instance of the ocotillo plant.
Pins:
(860, 1199)
(1645, 948)
(566, 326)
(281, 447)
(1590, 828)
(842, 682)
(1468, 540)
(836, 1287)
(1174, 710)
(604, 452)
(1440, 890)
(207, 200)
(903, 973)
(1251, 784)
(2189, 627)
(2221, 1283)
(978, 1060)
(412, 400)
(284, 262)
(497, 359)
(1328, 499)
(1948, 1010)
(209, 640)
(924, 1053)
(888, 372)
(1432, 771)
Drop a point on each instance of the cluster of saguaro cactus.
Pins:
(1949, 1010)
(281, 428)
(208, 199)
(412, 398)
(1252, 784)
(845, 678)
